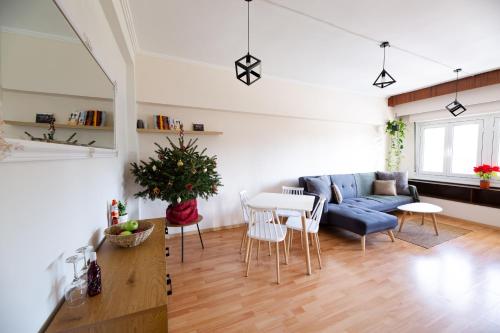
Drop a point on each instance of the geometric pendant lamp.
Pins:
(456, 108)
(384, 79)
(248, 67)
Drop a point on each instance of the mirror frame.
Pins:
(19, 150)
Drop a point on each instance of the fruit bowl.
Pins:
(138, 236)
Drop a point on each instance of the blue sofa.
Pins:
(361, 211)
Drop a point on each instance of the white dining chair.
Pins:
(292, 191)
(245, 215)
(265, 226)
(312, 227)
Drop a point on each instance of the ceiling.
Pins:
(329, 42)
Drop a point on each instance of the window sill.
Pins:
(26, 151)
(466, 193)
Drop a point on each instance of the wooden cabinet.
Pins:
(134, 291)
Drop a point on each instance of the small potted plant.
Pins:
(122, 212)
(485, 173)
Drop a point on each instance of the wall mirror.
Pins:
(51, 87)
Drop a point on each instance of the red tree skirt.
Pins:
(183, 213)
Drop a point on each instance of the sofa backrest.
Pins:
(364, 183)
(346, 184)
(350, 185)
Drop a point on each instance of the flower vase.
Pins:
(183, 213)
(484, 184)
(123, 218)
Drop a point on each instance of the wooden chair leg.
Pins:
(423, 218)
(312, 240)
(391, 235)
(243, 239)
(249, 255)
(302, 239)
(316, 241)
(291, 240)
(269, 246)
(363, 243)
(284, 250)
(258, 250)
(278, 262)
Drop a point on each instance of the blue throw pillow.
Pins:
(320, 186)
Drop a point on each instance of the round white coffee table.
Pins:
(422, 208)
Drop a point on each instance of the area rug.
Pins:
(424, 235)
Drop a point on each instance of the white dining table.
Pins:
(301, 203)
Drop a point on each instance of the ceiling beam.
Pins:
(466, 83)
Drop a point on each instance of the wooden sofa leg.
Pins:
(391, 235)
(363, 243)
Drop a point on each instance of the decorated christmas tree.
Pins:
(178, 175)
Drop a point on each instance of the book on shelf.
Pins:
(161, 122)
(94, 118)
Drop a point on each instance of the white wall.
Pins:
(478, 101)
(48, 209)
(274, 131)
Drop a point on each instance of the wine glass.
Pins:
(84, 251)
(76, 291)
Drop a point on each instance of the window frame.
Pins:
(488, 147)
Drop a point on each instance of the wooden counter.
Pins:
(134, 291)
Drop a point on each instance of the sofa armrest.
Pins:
(414, 193)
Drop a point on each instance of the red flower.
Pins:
(486, 169)
(189, 187)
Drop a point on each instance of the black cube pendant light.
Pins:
(248, 67)
(384, 79)
(456, 108)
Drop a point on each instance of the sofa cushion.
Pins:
(360, 220)
(364, 183)
(384, 187)
(320, 186)
(401, 178)
(381, 203)
(346, 184)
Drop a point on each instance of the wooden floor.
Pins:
(393, 287)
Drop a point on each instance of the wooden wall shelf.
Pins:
(458, 192)
(42, 125)
(175, 132)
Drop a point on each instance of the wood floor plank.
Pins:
(397, 287)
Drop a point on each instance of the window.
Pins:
(449, 150)
(465, 147)
(433, 149)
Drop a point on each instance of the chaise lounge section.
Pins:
(361, 211)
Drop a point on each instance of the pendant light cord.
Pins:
(248, 27)
(383, 64)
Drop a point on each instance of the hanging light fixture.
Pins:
(456, 108)
(248, 67)
(384, 79)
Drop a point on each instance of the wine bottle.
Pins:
(93, 276)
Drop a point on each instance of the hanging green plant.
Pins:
(396, 129)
